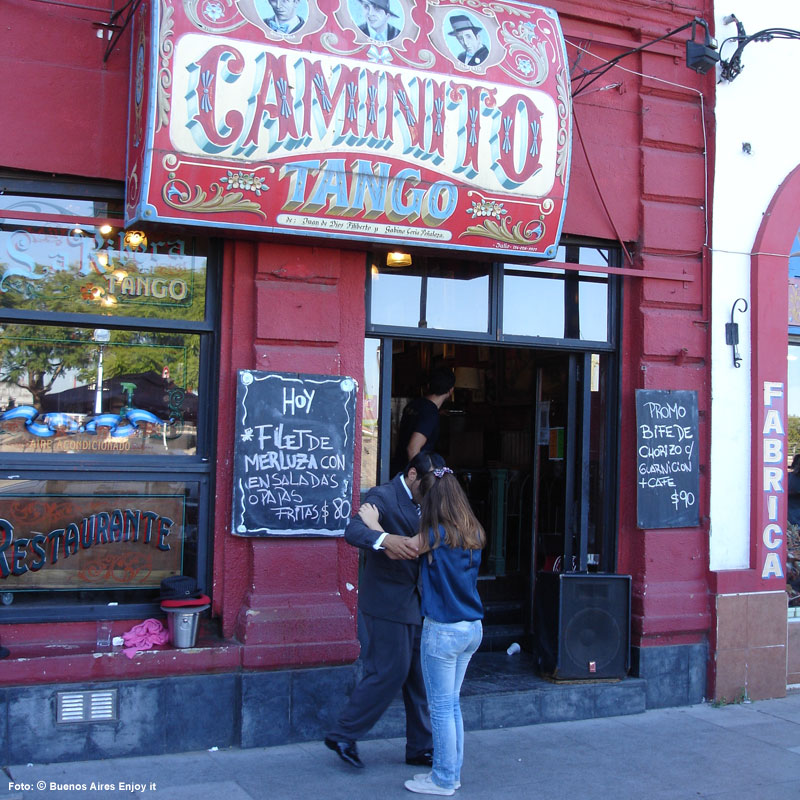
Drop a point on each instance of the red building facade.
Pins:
(636, 226)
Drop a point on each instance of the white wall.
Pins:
(762, 108)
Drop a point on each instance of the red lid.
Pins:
(187, 601)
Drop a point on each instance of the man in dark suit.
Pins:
(389, 602)
(468, 35)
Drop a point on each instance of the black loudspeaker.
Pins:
(582, 626)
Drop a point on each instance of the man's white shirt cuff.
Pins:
(379, 542)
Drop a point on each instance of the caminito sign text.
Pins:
(331, 130)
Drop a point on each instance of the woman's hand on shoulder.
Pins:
(369, 515)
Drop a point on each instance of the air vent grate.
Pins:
(93, 706)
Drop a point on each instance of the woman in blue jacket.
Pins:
(450, 543)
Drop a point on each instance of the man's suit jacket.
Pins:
(387, 587)
(478, 57)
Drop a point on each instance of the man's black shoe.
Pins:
(347, 751)
(422, 760)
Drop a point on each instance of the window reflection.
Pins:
(533, 305)
(395, 298)
(531, 300)
(593, 305)
(458, 297)
(554, 303)
(793, 400)
(431, 294)
(80, 268)
(370, 401)
(80, 390)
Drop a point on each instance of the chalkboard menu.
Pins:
(667, 449)
(293, 454)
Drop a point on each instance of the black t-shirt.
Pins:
(419, 416)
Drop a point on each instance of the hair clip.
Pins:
(439, 471)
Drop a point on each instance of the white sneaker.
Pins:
(425, 785)
(421, 776)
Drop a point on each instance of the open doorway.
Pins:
(526, 434)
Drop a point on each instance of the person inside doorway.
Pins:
(419, 424)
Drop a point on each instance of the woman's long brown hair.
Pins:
(445, 504)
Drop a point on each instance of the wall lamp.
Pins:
(730, 68)
(700, 57)
(732, 332)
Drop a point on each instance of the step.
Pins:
(498, 638)
(502, 691)
(502, 612)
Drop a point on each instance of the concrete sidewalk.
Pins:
(736, 752)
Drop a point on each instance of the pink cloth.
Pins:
(143, 636)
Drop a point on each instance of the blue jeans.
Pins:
(446, 650)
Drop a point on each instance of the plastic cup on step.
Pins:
(513, 649)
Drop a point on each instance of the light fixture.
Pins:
(135, 239)
(732, 332)
(701, 57)
(105, 229)
(398, 259)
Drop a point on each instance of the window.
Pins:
(106, 348)
(432, 294)
(500, 302)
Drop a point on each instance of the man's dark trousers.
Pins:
(391, 662)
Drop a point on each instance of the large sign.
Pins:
(445, 123)
(771, 503)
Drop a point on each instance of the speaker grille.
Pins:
(592, 635)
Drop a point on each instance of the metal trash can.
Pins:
(182, 624)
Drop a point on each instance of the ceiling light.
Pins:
(398, 259)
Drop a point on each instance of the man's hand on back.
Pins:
(399, 547)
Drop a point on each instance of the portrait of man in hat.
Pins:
(377, 25)
(286, 17)
(468, 33)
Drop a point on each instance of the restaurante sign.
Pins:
(440, 123)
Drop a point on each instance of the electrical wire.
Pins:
(703, 127)
(601, 69)
(76, 5)
(731, 67)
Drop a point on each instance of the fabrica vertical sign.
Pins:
(773, 511)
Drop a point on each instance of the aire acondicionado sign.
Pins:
(450, 125)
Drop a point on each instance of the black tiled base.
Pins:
(261, 709)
